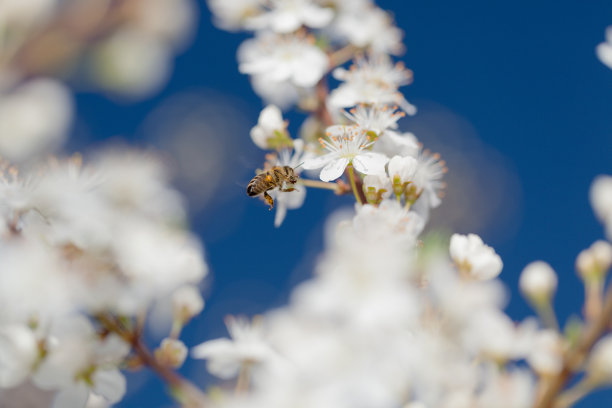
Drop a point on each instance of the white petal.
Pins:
(72, 397)
(281, 213)
(318, 17)
(370, 163)
(110, 384)
(271, 118)
(334, 169)
(604, 53)
(285, 22)
(318, 162)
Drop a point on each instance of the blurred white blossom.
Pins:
(473, 258)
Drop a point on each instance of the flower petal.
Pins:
(370, 163)
(318, 161)
(110, 384)
(71, 397)
(334, 169)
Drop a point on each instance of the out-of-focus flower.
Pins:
(18, 354)
(601, 200)
(286, 16)
(346, 145)
(604, 50)
(538, 282)
(132, 63)
(372, 81)
(187, 302)
(283, 58)
(546, 354)
(232, 15)
(171, 353)
(599, 364)
(271, 130)
(246, 347)
(34, 119)
(372, 28)
(473, 258)
(78, 362)
(594, 262)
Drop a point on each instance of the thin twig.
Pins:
(576, 356)
(188, 394)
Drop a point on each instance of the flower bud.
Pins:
(401, 170)
(594, 262)
(375, 188)
(270, 131)
(171, 353)
(599, 365)
(473, 258)
(538, 282)
(186, 303)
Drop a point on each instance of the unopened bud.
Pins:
(375, 188)
(171, 353)
(599, 367)
(593, 263)
(186, 303)
(538, 282)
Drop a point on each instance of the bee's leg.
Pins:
(269, 199)
(286, 190)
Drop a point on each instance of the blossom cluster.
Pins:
(87, 249)
(392, 317)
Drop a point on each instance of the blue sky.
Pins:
(532, 100)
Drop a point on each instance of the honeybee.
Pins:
(277, 176)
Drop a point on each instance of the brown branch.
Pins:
(188, 394)
(574, 359)
(68, 33)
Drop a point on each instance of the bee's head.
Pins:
(293, 178)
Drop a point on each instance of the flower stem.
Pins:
(571, 396)
(319, 184)
(576, 356)
(183, 391)
(351, 173)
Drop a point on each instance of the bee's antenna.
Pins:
(298, 165)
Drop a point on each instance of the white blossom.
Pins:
(286, 16)
(546, 354)
(392, 143)
(226, 356)
(374, 118)
(371, 27)
(18, 354)
(601, 200)
(604, 49)
(78, 363)
(346, 145)
(473, 258)
(538, 281)
(270, 125)
(187, 302)
(171, 353)
(232, 15)
(277, 59)
(372, 81)
(404, 168)
(34, 119)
